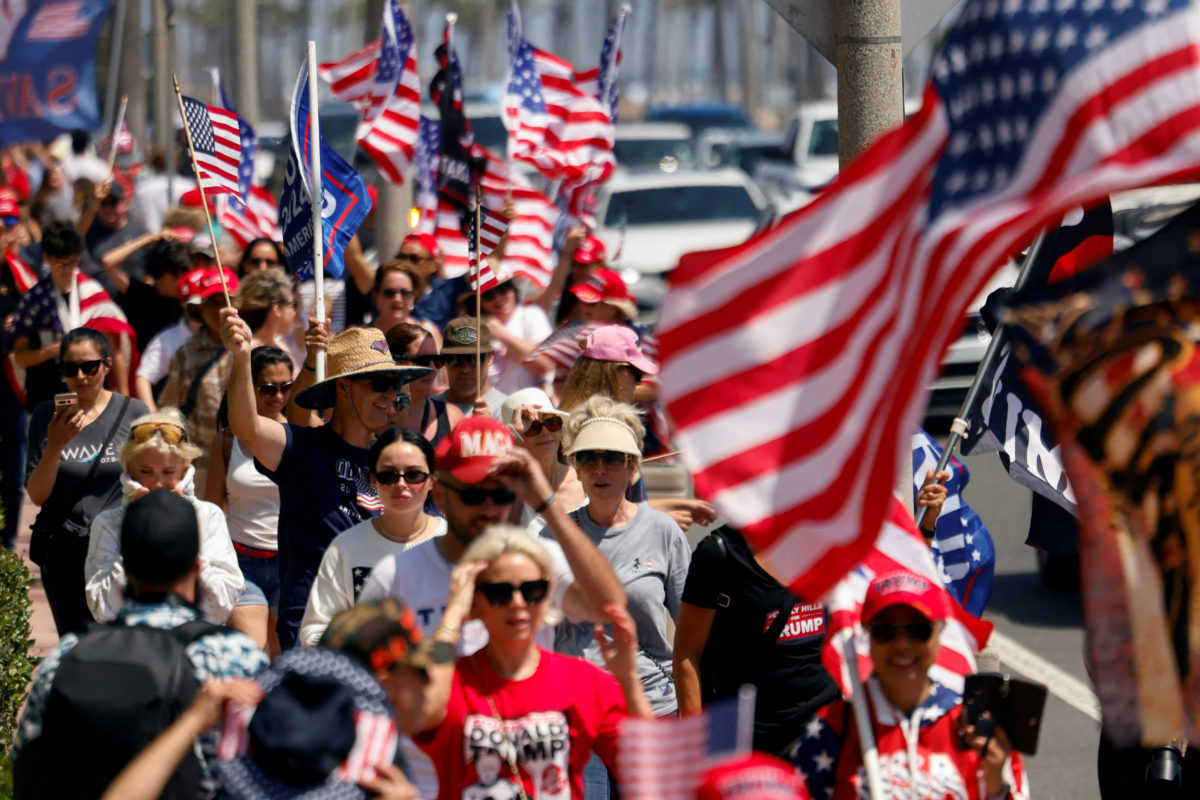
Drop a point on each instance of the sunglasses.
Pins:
(70, 369)
(492, 294)
(501, 594)
(383, 382)
(169, 431)
(464, 359)
(474, 496)
(413, 258)
(592, 458)
(412, 477)
(919, 632)
(434, 361)
(391, 293)
(551, 423)
(269, 262)
(272, 389)
(637, 373)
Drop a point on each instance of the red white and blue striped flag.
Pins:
(216, 145)
(795, 365)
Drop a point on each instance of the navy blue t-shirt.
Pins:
(324, 489)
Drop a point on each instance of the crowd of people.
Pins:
(435, 569)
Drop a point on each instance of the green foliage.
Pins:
(16, 665)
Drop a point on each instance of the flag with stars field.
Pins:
(816, 340)
(216, 146)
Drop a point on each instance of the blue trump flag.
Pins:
(344, 202)
(48, 68)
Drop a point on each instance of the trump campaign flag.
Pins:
(795, 365)
(48, 67)
(1112, 358)
(344, 205)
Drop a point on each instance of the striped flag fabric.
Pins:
(350, 79)
(815, 341)
(899, 548)
(257, 218)
(565, 133)
(24, 276)
(480, 273)
(247, 138)
(601, 82)
(661, 758)
(564, 346)
(529, 251)
(452, 224)
(216, 145)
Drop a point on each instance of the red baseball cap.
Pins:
(590, 251)
(426, 240)
(200, 284)
(907, 589)
(468, 452)
(757, 776)
(8, 203)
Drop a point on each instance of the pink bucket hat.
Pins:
(618, 343)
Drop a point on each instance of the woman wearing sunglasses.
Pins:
(513, 720)
(251, 500)
(537, 427)
(157, 454)
(398, 284)
(917, 722)
(402, 472)
(73, 471)
(433, 418)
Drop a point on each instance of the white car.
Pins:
(648, 220)
(663, 146)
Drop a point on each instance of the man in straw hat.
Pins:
(321, 472)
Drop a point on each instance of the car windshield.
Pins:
(650, 153)
(824, 141)
(675, 204)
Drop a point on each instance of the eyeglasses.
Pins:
(474, 496)
(293, 303)
(464, 359)
(501, 594)
(413, 258)
(919, 632)
(381, 382)
(70, 369)
(551, 423)
(169, 431)
(592, 458)
(272, 389)
(434, 361)
(391, 293)
(266, 262)
(412, 477)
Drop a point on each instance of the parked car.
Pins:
(699, 117)
(648, 220)
(664, 146)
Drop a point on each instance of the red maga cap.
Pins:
(426, 240)
(907, 589)
(590, 251)
(468, 452)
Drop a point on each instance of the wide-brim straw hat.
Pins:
(354, 353)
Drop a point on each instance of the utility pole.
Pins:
(869, 67)
(245, 25)
(164, 95)
(133, 80)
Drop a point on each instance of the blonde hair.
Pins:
(502, 539)
(186, 451)
(599, 405)
(261, 291)
(587, 378)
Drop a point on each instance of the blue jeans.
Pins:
(597, 782)
(264, 574)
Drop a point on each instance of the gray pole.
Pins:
(870, 80)
(245, 25)
(114, 65)
(133, 76)
(164, 96)
(173, 139)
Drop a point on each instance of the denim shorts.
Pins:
(264, 574)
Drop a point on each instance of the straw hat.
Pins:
(353, 353)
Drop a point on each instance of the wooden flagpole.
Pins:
(212, 234)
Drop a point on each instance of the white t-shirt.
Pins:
(421, 578)
(156, 358)
(253, 501)
(344, 569)
(530, 323)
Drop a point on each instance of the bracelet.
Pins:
(307, 367)
(542, 506)
(447, 629)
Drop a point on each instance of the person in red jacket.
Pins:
(926, 750)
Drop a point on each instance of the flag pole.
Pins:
(212, 234)
(112, 141)
(862, 720)
(958, 428)
(478, 295)
(317, 197)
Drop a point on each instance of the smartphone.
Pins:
(1012, 703)
(65, 400)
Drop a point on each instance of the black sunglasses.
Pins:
(412, 477)
(391, 293)
(270, 262)
(474, 496)
(434, 361)
(592, 458)
(501, 594)
(271, 389)
(70, 369)
(413, 258)
(382, 382)
(551, 423)
(464, 359)
(919, 632)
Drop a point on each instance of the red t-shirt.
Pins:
(553, 719)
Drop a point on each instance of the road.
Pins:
(1047, 623)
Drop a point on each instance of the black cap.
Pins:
(160, 539)
(304, 728)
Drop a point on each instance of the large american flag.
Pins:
(382, 82)
(258, 218)
(795, 365)
(529, 251)
(562, 131)
(216, 145)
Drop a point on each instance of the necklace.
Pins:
(378, 523)
(510, 747)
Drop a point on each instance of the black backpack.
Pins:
(114, 692)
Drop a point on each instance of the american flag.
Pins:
(899, 547)
(529, 251)
(601, 82)
(962, 546)
(381, 80)
(216, 145)
(563, 132)
(425, 175)
(24, 276)
(815, 341)
(661, 758)
(564, 346)
(58, 22)
(480, 273)
(256, 219)
(246, 138)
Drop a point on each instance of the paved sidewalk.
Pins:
(45, 636)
